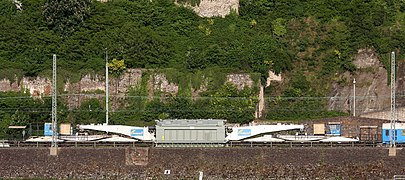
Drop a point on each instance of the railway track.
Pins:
(22, 144)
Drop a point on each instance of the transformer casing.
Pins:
(186, 131)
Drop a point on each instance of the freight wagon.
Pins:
(398, 132)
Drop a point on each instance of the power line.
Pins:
(201, 97)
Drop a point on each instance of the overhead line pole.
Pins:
(393, 110)
(106, 87)
(354, 97)
(54, 144)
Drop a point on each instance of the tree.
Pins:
(116, 67)
(66, 16)
(236, 106)
(279, 27)
(4, 123)
(90, 111)
(7, 8)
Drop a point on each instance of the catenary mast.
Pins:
(106, 87)
(393, 110)
(54, 143)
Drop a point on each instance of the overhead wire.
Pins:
(267, 99)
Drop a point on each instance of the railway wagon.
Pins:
(176, 132)
(399, 132)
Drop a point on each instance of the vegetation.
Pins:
(64, 16)
(225, 102)
(303, 39)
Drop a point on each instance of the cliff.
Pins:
(212, 8)
(372, 88)
(93, 85)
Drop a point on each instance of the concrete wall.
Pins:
(216, 163)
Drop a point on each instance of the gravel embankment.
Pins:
(216, 163)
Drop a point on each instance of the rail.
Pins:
(94, 144)
(233, 144)
(292, 144)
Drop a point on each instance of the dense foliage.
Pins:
(308, 40)
(147, 34)
(64, 16)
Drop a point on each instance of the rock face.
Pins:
(219, 8)
(36, 87)
(93, 86)
(240, 80)
(366, 58)
(6, 85)
(372, 91)
(384, 112)
(87, 84)
(273, 77)
(372, 87)
(158, 82)
(18, 5)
